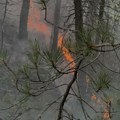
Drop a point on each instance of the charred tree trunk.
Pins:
(79, 29)
(23, 33)
(56, 24)
(78, 17)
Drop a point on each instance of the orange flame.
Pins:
(66, 53)
(34, 23)
(93, 97)
(34, 20)
(106, 115)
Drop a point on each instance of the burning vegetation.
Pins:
(87, 54)
(66, 52)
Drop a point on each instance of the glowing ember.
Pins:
(66, 53)
(106, 115)
(93, 97)
(34, 20)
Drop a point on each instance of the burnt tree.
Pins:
(23, 33)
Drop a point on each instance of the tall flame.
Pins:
(66, 53)
(34, 20)
(34, 23)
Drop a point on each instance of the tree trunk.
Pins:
(79, 29)
(56, 24)
(23, 33)
(78, 17)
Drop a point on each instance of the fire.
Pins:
(66, 53)
(106, 112)
(106, 115)
(34, 20)
(34, 23)
(93, 97)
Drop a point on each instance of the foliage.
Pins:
(102, 82)
(81, 52)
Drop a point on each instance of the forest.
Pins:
(59, 59)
